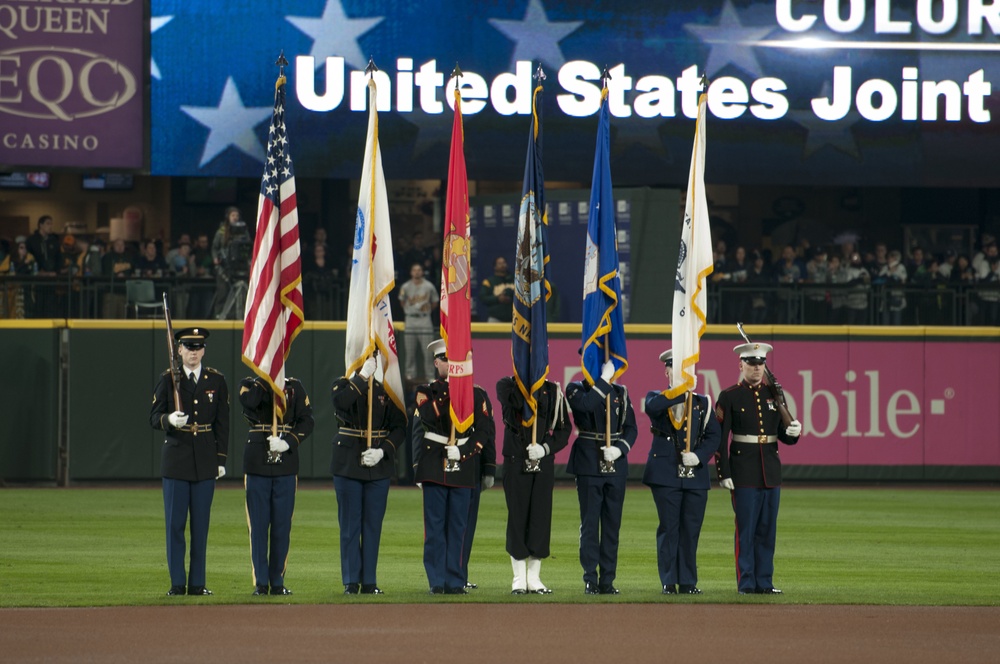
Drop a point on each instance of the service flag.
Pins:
(456, 289)
(694, 264)
(529, 334)
(274, 297)
(369, 317)
(603, 329)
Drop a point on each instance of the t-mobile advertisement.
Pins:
(861, 403)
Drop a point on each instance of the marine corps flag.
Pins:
(369, 319)
(694, 264)
(603, 330)
(274, 295)
(456, 294)
(529, 334)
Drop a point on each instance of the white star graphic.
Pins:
(336, 34)
(729, 42)
(535, 37)
(155, 23)
(820, 133)
(230, 123)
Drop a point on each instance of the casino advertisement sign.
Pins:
(72, 83)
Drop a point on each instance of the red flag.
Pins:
(274, 298)
(456, 291)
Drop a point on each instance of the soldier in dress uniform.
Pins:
(679, 481)
(529, 476)
(361, 472)
(271, 468)
(601, 494)
(750, 468)
(448, 494)
(194, 455)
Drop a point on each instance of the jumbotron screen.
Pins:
(800, 92)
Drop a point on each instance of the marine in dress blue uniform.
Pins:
(529, 493)
(448, 496)
(749, 466)
(195, 446)
(361, 473)
(601, 495)
(271, 468)
(679, 481)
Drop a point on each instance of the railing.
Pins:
(199, 298)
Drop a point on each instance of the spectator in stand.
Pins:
(989, 289)
(418, 298)
(20, 263)
(171, 255)
(788, 274)
(947, 263)
(118, 262)
(418, 253)
(893, 273)
(917, 268)
(44, 246)
(836, 276)
(858, 278)
(980, 262)
(496, 294)
(879, 260)
(150, 264)
(180, 260)
(319, 239)
(817, 309)
(759, 276)
(200, 303)
(318, 278)
(982, 270)
(735, 305)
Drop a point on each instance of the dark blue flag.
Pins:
(603, 330)
(529, 334)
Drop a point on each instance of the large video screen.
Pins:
(800, 92)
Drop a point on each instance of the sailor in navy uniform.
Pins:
(750, 468)
(448, 494)
(529, 477)
(679, 481)
(271, 468)
(601, 495)
(361, 473)
(193, 457)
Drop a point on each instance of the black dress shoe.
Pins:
(768, 591)
(470, 586)
(199, 590)
(518, 591)
(280, 590)
(175, 591)
(689, 590)
(436, 590)
(591, 589)
(260, 590)
(371, 589)
(456, 591)
(352, 588)
(610, 590)
(669, 589)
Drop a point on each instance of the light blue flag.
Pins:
(603, 330)
(529, 333)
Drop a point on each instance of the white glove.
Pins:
(727, 484)
(371, 457)
(420, 485)
(794, 429)
(607, 371)
(488, 481)
(535, 451)
(690, 459)
(368, 368)
(452, 452)
(612, 453)
(222, 473)
(277, 444)
(177, 419)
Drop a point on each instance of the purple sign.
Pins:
(861, 403)
(71, 83)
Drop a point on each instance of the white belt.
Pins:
(438, 438)
(747, 438)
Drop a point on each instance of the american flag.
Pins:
(274, 300)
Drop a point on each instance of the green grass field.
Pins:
(892, 546)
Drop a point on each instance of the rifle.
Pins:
(773, 385)
(175, 370)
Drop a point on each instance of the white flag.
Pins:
(369, 317)
(694, 264)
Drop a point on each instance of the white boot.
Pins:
(535, 585)
(518, 587)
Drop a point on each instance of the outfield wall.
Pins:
(876, 403)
